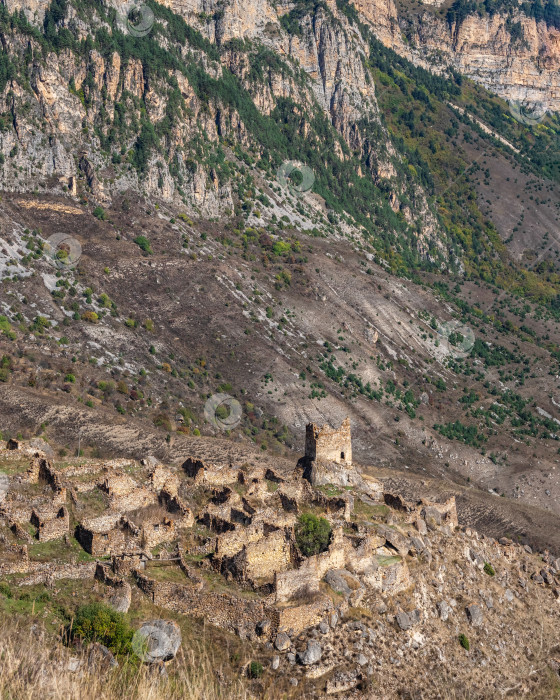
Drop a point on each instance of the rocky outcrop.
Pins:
(523, 67)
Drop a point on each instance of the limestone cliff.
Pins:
(524, 66)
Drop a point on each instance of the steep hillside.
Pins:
(259, 210)
(252, 578)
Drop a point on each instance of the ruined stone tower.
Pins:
(329, 444)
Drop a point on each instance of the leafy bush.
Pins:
(99, 213)
(143, 243)
(464, 641)
(99, 623)
(90, 317)
(5, 590)
(255, 670)
(312, 534)
(489, 569)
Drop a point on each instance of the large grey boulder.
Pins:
(100, 658)
(407, 620)
(475, 615)
(342, 581)
(40, 444)
(157, 640)
(311, 655)
(121, 597)
(282, 641)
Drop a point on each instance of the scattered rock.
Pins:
(157, 640)
(342, 681)
(282, 641)
(73, 663)
(275, 663)
(100, 658)
(263, 627)
(474, 615)
(444, 610)
(121, 597)
(403, 621)
(311, 655)
(342, 581)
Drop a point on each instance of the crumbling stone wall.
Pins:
(442, 513)
(301, 617)
(155, 532)
(296, 583)
(184, 516)
(42, 471)
(259, 561)
(14, 559)
(133, 500)
(47, 573)
(102, 536)
(126, 562)
(161, 478)
(229, 612)
(329, 444)
(117, 484)
(51, 524)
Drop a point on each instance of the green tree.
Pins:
(312, 534)
(99, 623)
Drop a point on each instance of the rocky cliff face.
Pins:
(77, 104)
(525, 67)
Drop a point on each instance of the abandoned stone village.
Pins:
(397, 584)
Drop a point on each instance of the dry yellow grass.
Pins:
(32, 667)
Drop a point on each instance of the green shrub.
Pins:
(99, 213)
(464, 641)
(5, 590)
(90, 317)
(489, 569)
(255, 670)
(99, 623)
(143, 243)
(312, 534)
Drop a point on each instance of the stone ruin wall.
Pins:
(446, 511)
(328, 444)
(51, 526)
(236, 615)
(259, 561)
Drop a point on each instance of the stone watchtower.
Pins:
(327, 444)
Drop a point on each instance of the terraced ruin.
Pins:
(401, 596)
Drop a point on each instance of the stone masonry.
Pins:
(328, 444)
